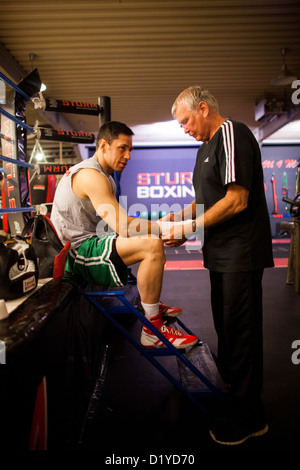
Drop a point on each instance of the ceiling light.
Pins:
(285, 77)
(37, 153)
(39, 156)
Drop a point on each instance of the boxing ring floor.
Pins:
(141, 412)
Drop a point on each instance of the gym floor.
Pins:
(141, 413)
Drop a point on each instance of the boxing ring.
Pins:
(40, 374)
(25, 325)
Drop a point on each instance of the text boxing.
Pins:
(165, 185)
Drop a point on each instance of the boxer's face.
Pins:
(117, 153)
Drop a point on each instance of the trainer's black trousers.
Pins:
(236, 300)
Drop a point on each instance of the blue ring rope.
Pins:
(17, 121)
(14, 86)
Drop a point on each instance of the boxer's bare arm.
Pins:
(89, 183)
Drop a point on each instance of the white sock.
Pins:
(151, 310)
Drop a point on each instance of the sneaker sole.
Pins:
(162, 345)
(259, 433)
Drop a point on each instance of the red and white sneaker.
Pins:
(166, 311)
(176, 337)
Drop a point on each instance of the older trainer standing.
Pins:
(228, 181)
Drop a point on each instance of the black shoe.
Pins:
(235, 435)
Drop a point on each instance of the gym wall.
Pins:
(163, 175)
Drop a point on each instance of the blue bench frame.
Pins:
(109, 312)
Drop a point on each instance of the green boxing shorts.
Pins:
(97, 262)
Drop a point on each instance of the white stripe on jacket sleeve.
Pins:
(228, 142)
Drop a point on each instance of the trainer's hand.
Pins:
(174, 243)
(175, 236)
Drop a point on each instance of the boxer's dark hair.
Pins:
(110, 131)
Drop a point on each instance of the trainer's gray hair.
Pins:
(192, 96)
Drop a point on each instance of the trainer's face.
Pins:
(193, 122)
(117, 154)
